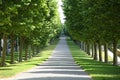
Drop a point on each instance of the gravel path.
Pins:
(60, 66)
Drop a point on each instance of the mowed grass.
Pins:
(97, 70)
(14, 69)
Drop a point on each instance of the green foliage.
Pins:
(93, 20)
(37, 22)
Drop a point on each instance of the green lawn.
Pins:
(98, 70)
(12, 70)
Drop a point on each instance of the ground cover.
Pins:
(97, 70)
(14, 69)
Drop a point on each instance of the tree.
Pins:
(95, 22)
(30, 22)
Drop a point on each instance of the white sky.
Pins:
(61, 11)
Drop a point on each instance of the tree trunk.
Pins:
(30, 52)
(0, 47)
(92, 50)
(20, 49)
(88, 48)
(95, 51)
(106, 52)
(33, 51)
(115, 53)
(26, 53)
(37, 50)
(12, 49)
(3, 56)
(100, 53)
(17, 44)
(82, 45)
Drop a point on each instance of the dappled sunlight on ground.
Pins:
(98, 70)
(60, 66)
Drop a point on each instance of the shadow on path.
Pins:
(60, 66)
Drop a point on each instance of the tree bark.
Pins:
(33, 51)
(85, 47)
(30, 51)
(12, 49)
(0, 47)
(95, 51)
(3, 57)
(26, 53)
(37, 50)
(82, 45)
(100, 53)
(92, 50)
(115, 62)
(106, 52)
(21, 49)
(88, 48)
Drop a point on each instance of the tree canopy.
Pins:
(93, 21)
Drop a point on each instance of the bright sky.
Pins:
(61, 11)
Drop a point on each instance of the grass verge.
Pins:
(97, 70)
(13, 69)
